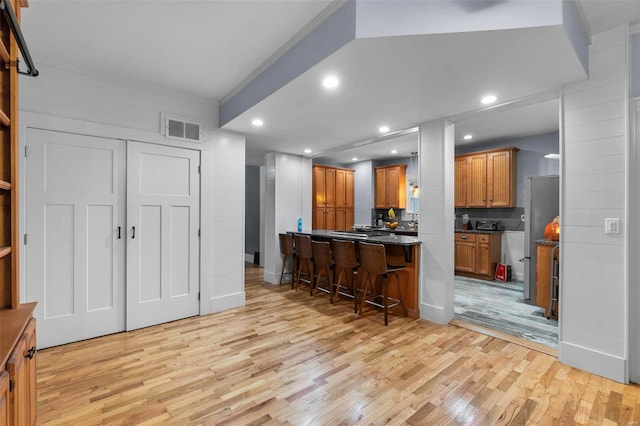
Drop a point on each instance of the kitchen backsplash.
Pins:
(509, 217)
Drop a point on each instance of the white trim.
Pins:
(271, 277)
(634, 29)
(434, 313)
(634, 243)
(605, 365)
(228, 301)
(248, 258)
(627, 207)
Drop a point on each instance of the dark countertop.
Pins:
(394, 239)
(547, 242)
(475, 231)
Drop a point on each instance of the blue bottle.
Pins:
(299, 224)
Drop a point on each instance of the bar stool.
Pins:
(287, 250)
(346, 263)
(304, 253)
(323, 263)
(373, 262)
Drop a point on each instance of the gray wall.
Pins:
(635, 65)
(531, 161)
(252, 210)
(363, 192)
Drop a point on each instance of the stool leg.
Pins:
(293, 270)
(354, 291)
(366, 280)
(339, 281)
(284, 263)
(385, 300)
(404, 310)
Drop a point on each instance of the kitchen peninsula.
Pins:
(401, 250)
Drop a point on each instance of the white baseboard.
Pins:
(271, 277)
(248, 257)
(435, 314)
(605, 365)
(229, 301)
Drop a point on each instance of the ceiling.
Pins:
(205, 49)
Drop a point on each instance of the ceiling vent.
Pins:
(177, 128)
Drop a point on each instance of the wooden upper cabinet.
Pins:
(381, 188)
(501, 179)
(477, 181)
(319, 192)
(332, 193)
(486, 179)
(460, 198)
(391, 186)
(344, 188)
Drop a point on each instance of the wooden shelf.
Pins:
(4, 53)
(4, 250)
(5, 185)
(4, 118)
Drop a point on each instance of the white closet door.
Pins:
(74, 259)
(163, 248)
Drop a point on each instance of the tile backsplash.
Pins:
(509, 217)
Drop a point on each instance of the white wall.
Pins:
(594, 314)
(287, 197)
(436, 221)
(68, 101)
(513, 251)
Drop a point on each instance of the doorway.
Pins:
(532, 128)
(88, 271)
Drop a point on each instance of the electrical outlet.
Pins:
(521, 218)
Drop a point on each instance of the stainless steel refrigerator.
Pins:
(541, 205)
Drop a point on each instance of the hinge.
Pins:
(198, 169)
(198, 233)
(26, 150)
(12, 385)
(198, 295)
(25, 239)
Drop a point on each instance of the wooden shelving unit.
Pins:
(17, 325)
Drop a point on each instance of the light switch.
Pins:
(612, 225)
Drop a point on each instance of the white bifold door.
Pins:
(75, 252)
(163, 219)
(112, 234)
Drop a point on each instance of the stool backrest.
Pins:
(321, 253)
(303, 246)
(286, 244)
(344, 254)
(373, 258)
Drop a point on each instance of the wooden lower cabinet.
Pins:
(5, 417)
(543, 278)
(465, 252)
(18, 373)
(344, 219)
(477, 255)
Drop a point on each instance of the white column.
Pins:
(287, 196)
(594, 146)
(436, 220)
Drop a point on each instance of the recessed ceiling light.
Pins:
(467, 137)
(488, 99)
(307, 151)
(257, 122)
(394, 151)
(331, 82)
(383, 129)
(354, 159)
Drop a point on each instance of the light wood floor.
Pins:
(288, 358)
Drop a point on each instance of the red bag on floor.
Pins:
(503, 272)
